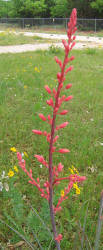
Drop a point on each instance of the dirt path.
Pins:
(82, 42)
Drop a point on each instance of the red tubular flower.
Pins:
(58, 75)
(63, 125)
(38, 132)
(57, 209)
(59, 237)
(68, 98)
(47, 89)
(68, 86)
(63, 150)
(40, 158)
(42, 117)
(19, 156)
(64, 112)
(72, 58)
(68, 69)
(58, 61)
(50, 102)
(60, 167)
(54, 92)
(55, 139)
(73, 44)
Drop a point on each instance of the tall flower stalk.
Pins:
(55, 102)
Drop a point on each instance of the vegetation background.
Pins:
(50, 8)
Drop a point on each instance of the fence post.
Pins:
(66, 23)
(23, 23)
(95, 25)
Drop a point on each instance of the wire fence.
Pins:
(55, 24)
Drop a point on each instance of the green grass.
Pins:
(22, 97)
(7, 38)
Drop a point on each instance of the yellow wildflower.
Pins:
(25, 86)
(62, 193)
(25, 154)
(13, 149)
(11, 173)
(77, 190)
(75, 169)
(36, 69)
(71, 170)
(16, 169)
(75, 186)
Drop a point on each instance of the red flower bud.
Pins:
(68, 98)
(59, 237)
(58, 75)
(38, 132)
(63, 125)
(72, 58)
(60, 167)
(68, 69)
(64, 112)
(58, 61)
(63, 150)
(68, 86)
(50, 102)
(42, 117)
(47, 89)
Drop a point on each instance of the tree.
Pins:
(33, 8)
(60, 9)
(24, 8)
(49, 4)
(97, 5)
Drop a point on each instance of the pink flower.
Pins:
(50, 102)
(42, 117)
(59, 237)
(73, 44)
(47, 89)
(64, 112)
(68, 86)
(55, 139)
(40, 158)
(63, 125)
(19, 156)
(68, 98)
(60, 167)
(63, 150)
(72, 58)
(68, 69)
(57, 209)
(58, 75)
(38, 132)
(54, 92)
(58, 61)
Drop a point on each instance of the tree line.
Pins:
(50, 8)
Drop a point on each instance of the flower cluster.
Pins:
(36, 69)
(55, 103)
(73, 170)
(12, 171)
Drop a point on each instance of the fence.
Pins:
(51, 23)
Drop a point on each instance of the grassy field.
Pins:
(9, 38)
(22, 98)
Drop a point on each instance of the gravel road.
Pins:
(82, 42)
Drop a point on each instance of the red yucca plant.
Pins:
(55, 102)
